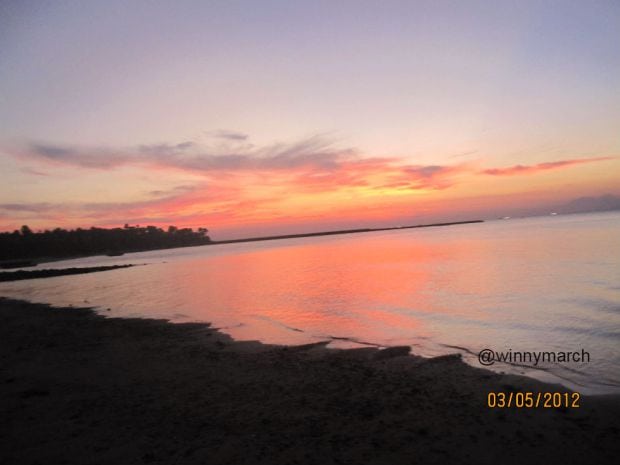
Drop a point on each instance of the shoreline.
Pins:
(40, 260)
(540, 374)
(9, 276)
(78, 387)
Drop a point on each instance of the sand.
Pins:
(79, 388)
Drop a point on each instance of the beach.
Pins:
(80, 388)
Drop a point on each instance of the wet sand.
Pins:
(79, 388)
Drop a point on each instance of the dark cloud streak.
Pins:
(531, 169)
(230, 135)
(314, 152)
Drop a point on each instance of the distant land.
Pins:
(341, 231)
(586, 204)
(591, 204)
(24, 248)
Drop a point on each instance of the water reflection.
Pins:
(536, 284)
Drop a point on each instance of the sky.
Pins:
(269, 117)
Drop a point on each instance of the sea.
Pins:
(542, 284)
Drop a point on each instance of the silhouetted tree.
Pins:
(60, 243)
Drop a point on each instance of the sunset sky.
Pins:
(266, 117)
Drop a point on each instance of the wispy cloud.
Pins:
(236, 182)
(316, 157)
(36, 172)
(464, 154)
(33, 207)
(230, 135)
(172, 192)
(315, 152)
(531, 169)
(314, 163)
(233, 187)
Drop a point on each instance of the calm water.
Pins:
(538, 284)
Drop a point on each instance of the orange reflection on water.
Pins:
(535, 284)
(334, 287)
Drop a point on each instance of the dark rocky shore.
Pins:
(78, 388)
(35, 274)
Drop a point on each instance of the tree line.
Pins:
(63, 243)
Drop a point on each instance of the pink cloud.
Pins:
(239, 183)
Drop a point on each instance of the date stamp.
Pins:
(499, 400)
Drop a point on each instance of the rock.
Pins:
(390, 352)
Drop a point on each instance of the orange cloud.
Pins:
(236, 184)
